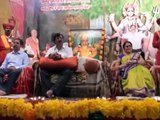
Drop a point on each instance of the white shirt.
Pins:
(17, 59)
(65, 51)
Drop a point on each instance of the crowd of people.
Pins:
(137, 78)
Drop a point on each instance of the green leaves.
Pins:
(102, 7)
(96, 116)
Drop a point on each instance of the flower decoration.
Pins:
(12, 107)
(86, 108)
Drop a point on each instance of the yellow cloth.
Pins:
(5, 42)
(138, 77)
(4, 48)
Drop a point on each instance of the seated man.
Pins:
(12, 66)
(25, 81)
(57, 52)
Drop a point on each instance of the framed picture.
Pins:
(87, 43)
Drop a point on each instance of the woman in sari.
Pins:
(136, 78)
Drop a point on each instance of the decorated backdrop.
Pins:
(64, 15)
(51, 16)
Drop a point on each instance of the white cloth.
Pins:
(82, 61)
(65, 51)
(135, 39)
(126, 23)
(28, 50)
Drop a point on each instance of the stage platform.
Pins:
(40, 108)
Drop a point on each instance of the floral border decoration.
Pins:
(61, 109)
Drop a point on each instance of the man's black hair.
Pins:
(20, 40)
(55, 35)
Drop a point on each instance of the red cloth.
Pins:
(158, 58)
(156, 44)
(66, 63)
(3, 50)
(25, 82)
(7, 25)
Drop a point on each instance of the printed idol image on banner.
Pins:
(132, 20)
(87, 43)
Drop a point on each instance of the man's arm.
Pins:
(49, 51)
(4, 64)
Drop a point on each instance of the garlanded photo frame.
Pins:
(87, 42)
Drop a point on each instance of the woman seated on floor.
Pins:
(136, 78)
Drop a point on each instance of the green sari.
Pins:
(139, 81)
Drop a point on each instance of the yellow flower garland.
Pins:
(57, 109)
(145, 109)
(11, 107)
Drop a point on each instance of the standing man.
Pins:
(12, 67)
(5, 41)
(155, 69)
(156, 43)
(57, 52)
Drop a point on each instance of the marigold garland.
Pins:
(59, 109)
(12, 107)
